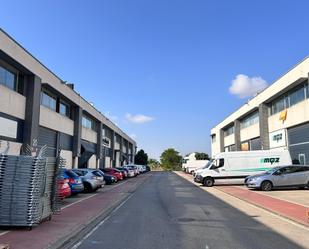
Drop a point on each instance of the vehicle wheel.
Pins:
(307, 186)
(208, 182)
(88, 188)
(266, 186)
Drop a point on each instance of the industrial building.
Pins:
(276, 118)
(38, 108)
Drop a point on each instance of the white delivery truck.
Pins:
(190, 163)
(240, 164)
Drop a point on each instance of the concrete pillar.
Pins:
(99, 140)
(237, 135)
(113, 158)
(78, 114)
(221, 140)
(263, 123)
(127, 148)
(32, 112)
(121, 151)
(75, 162)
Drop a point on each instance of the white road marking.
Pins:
(101, 223)
(3, 233)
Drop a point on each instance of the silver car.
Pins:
(90, 180)
(286, 176)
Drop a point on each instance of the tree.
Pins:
(141, 158)
(153, 163)
(171, 160)
(201, 156)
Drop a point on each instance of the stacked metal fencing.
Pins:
(28, 189)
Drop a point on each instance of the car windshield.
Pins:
(208, 164)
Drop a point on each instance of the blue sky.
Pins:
(162, 69)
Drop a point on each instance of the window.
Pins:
(278, 105)
(296, 96)
(48, 101)
(87, 123)
(213, 138)
(291, 98)
(64, 109)
(250, 120)
(8, 78)
(229, 131)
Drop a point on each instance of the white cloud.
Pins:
(244, 86)
(138, 118)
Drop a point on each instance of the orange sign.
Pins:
(283, 115)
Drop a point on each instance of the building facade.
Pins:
(277, 118)
(38, 108)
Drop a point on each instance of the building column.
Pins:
(121, 151)
(128, 156)
(221, 140)
(237, 135)
(78, 114)
(99, 144)
(263, 123)
(32, 112)
(113, 158)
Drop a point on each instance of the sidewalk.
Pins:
(72, 219)
(292, 211)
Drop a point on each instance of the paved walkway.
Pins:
(72, 218)
(291, 210)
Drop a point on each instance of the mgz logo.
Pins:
(270, 160)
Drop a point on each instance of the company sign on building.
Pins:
(277, 139)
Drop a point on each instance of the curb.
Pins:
(266, 209)
(73, 237)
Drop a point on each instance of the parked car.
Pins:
(75, 182)
(91, 181)
(148, 168)
(99, 176)
(109, 179)
(64, 189)
(114, 172)
(123, 171)
(286, 176)
(134, 168)
(131, 171)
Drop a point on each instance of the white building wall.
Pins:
(229, 140)
(12, 103)
(250, 132)
(89, 135)
(296, 114)
(68, 156)
(56, 121)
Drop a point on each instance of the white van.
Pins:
(240, 164)
(190, 163)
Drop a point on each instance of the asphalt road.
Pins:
(168, 212)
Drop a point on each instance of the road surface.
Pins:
(168, 212)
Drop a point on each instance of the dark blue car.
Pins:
(75, 181)
(109, 179)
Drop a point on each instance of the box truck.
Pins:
(240, 164)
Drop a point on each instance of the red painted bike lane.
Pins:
(283, 208)
(71, 219)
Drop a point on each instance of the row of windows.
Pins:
(250, 120)
(51, 102)
(8, 79)
(289, 99)
(229, 131)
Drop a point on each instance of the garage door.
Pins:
(48, 137)
(299, 143)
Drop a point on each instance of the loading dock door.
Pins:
(48, 137)
(299, 143)
(87, 150)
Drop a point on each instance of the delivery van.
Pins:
(190, 163)
(240, 164)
